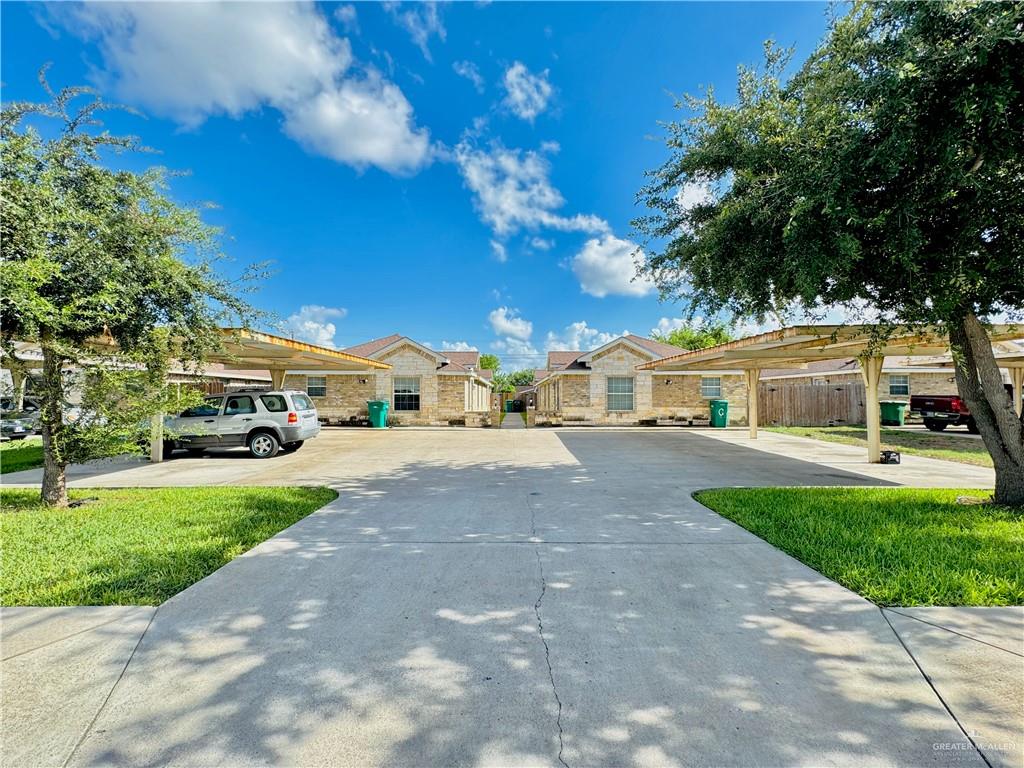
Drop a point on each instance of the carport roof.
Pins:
(798, 345)
(252, 349)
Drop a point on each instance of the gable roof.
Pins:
(644, 346)
(660, 348)
(367, 348)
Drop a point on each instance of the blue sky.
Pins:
(461, 173)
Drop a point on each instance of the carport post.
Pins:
(277, 377)
(1017, 377)
(753, 375)
(18, 378)
(156, 438)
(871, 370)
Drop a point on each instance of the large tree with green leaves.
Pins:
(696, 335)
(104, 272)
(887, 172)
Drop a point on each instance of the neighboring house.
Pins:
(602, 386)
(423, 386)
(901, 376)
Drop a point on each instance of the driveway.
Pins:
(529, 597)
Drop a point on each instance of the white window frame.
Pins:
(710, 391)
(819, 381)
(906, 386)
(407, 382)
(620, 394)
(310, 386)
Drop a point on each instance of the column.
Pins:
(871, 371)
(753, 375)
(1017, 377)
(277, 377)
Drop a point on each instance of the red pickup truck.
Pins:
(940, 411)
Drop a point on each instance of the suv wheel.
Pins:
(935, 426)
(264, 445)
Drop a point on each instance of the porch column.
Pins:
(871, 371)
(277, 377)
(1017, 377)
(753, 375)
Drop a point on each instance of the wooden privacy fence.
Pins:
(810, 405)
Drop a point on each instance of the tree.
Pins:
(887, 173)
(696, 335)
(507, 382)
(95, 274)
(490, 362)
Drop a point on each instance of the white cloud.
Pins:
(551, 147)
(190, 61)
(579, 336)
(312, 323)
(513, 191)
(499, 251)
(527, 94)
(606, 266)
(348, 17)
(518, 353)
(507, 322)
(668, 324)
(541, 244)
(693, 193)
(457, 346)
(471, 72)
(361, 122)
(420, 21)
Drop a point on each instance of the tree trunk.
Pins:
(55, 488)
(981, 386)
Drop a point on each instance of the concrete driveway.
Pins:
(530, 597)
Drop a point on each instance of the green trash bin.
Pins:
(378, 410)
(719, 413)
(893, 412)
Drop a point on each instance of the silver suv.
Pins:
(264, 421)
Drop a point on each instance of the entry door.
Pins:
(239, 413)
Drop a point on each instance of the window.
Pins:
(274, 403)
(899, 384)
(239, 404)
(407, 393)
(209, 407)
(303, 403)
(620, 393)
(710, 386)
(316, 386)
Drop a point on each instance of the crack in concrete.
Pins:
(547, 655)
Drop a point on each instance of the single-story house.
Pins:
(603, 386)
(423, 386)
(901, 376)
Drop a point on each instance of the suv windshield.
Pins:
(210, 407)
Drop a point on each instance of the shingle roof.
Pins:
(560, 359)
(465, 359)
(367, 348)
(658, 348)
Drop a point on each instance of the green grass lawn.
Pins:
(935, 445)
(21, 454)
(135, 546)
(894, 546)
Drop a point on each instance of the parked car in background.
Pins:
(29, 405)
(263, 421)
(941, 411)
(17, 425)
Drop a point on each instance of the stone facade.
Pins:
(582, 396)
(445, 398)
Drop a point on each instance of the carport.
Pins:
(243, 349)
(796, 346)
